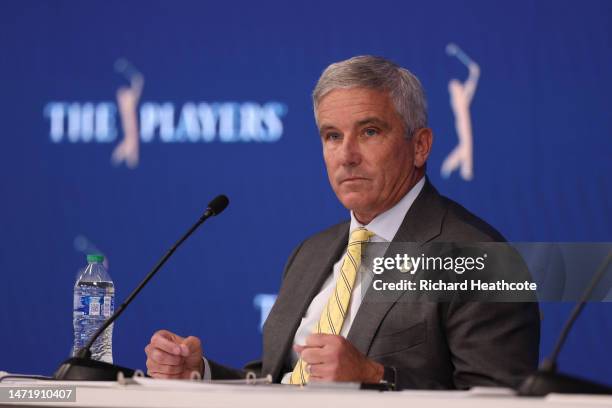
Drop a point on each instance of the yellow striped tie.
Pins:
(335, 310)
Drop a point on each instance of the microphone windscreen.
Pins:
(218, 204)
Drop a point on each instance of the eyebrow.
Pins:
(370, 120)
(324, 128)
(373, 120)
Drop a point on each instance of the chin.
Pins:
(353, 201)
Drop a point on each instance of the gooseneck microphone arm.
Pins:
(546, 380)
(550, 363)
(81, 366)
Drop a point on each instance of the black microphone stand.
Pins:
(547, 380)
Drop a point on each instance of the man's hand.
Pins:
(333, 358)
(172, 356)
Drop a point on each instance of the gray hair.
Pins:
(378, 73)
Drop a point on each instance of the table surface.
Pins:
(172, 393)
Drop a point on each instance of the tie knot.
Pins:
(360, 235)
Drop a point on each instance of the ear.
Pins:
(422, 141)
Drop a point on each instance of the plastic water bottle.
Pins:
(94, 302)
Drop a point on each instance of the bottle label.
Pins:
(94, 304)
(107, 306)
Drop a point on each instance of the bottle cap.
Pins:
(95, 258)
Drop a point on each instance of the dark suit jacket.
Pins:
(430, 345)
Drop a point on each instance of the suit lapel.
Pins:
(422, 223)
(307, 276)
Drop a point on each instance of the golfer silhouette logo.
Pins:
(461, 94)
(127, 100)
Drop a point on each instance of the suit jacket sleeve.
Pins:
(222, 372)
(492, 344)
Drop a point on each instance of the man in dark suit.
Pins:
(372, 121)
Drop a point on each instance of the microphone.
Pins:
(81, 367)
(216, 206)
(546, 380)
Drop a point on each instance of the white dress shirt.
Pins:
(384, 227)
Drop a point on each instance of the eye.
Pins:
(332, 136)
(370, 132)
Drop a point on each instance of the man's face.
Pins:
(370, 163)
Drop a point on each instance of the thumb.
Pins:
(298, 349)
(191, 345)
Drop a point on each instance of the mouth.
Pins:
(352, 179)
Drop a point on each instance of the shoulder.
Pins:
(330, 233)
(462, 225)
(325, 238)
(318, 246)
(435, 217)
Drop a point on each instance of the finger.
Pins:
(167, 342)
(314, 370)
(319, 372)
(164, 376)
(300, 348)
(161, 357)
(313, 355)
(317, 377)
(319, 339)
(191, 345)
(169, 335)
(164, 369)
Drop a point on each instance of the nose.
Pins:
(350, 151)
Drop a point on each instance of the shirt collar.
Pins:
(385, 225)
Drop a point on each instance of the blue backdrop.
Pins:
(220, 91)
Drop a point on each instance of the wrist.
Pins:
(376, 373)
